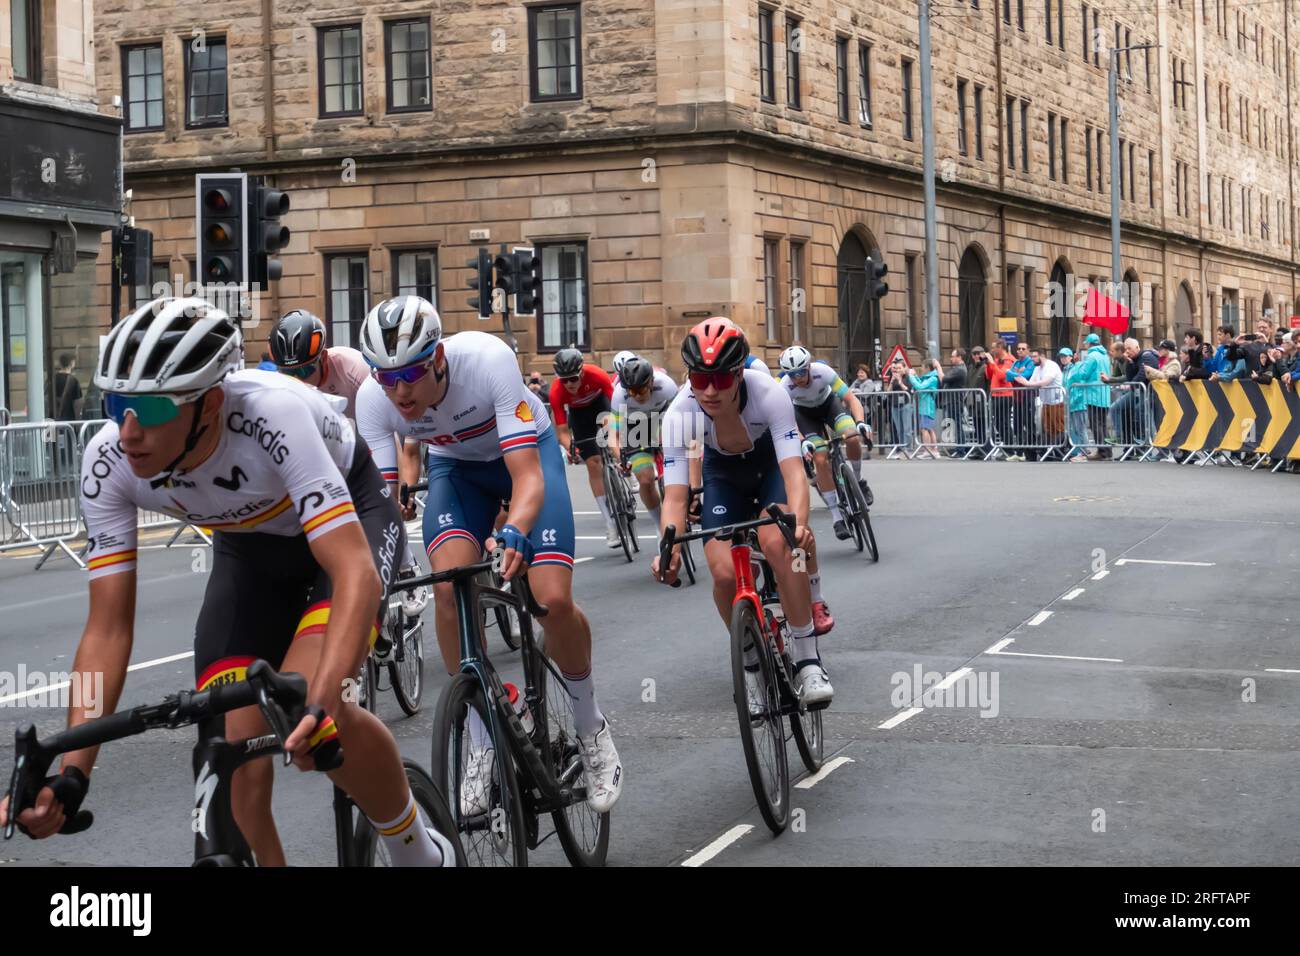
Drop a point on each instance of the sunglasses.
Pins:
(721, 381)
(149, 410)
(301, 371)
(389, 377)
(570, 378)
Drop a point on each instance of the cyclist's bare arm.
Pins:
(855, 407)
(527, 492)
(408, 469)
(673, 512)
(105, 649)
(796, 496)
(565, 438)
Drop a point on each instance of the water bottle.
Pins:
(520, 707)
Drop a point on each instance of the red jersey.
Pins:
(594, 382)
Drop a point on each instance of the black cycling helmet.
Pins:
(636, 373)
(568, 362)
(298, 338)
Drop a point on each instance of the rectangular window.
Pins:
(1051, 146)
(205, 83)
(842, 78)
(961, 117)
(770, 253)
(339, 64)
(979, 122)
(1006, 11)
(410, 65)
(1084, 34)
(1047, 20)
(1128, 54)
(915, 327)
(555, 46)
(1151, 178)
(562, 319)
(1096, 32)
(1146, 67)
(1029, 304)
(25, 37)
(416, 273)
(1020, 15)
(1065, 150)
(1011, 132)
(864, 85)
(798, 293)
(1087, 156)
(1209, 199)
(142, 79)
(907, 99)
(1024, 135)
(1060, 25)
(1132, 173)
(766, 57)
(793, 42)
(1122, 194)
(1101, 161)
(347, 276)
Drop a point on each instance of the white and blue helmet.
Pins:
(400, 331)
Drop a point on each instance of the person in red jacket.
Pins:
(1000, 394)
(580, 398)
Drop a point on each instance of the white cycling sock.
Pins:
(587, 718)
(480, 738)
(805, 643)
(832, 499)
(815, 585)
(604, 510)
(407, 841)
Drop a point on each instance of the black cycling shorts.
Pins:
(266, 590)
(813, 421)
(584, 426)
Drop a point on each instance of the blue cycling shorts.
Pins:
(465, 497)
(732, 484)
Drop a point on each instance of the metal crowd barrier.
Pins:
(892, 416)
(961, 423)
(1115, 421)
(4, 416)
(1028, 423)
(40, 465)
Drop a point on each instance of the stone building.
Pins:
(59, 191)
(675, 159)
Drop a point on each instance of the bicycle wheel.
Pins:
(583, 833)
(495, 837)
(872, 549)
(851, 499)
(615, 491)
(761, 730)
(806, 728)
(433, 809)
(368, 684)
(406, 669)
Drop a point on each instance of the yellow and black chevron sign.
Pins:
(1227, 416)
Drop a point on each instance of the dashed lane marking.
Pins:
(718, 845)
(1039, 618)
(899, 717)
(827, 769)
(1073, 594)
(1183, 564)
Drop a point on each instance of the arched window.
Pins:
(971, 289)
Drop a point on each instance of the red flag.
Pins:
(1105, 313)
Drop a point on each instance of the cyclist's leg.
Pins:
(642, 463)
(251, 604)
(459, 514)
(842, 424)
(723, 502)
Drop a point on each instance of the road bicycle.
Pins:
(853, 504)
(621, 504)
(535, 772)
(762, 668)
(217, 840)
(399, 651)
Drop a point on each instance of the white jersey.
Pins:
(279, 468)
(764, 407)
(487, 412)
(757, 363)
(822, 381)
(348, 371)
(662, 390)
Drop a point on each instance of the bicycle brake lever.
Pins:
(24, 746)
(276, 719)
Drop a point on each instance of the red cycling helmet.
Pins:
(715, 345)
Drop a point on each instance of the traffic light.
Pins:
(480, 281)
(504, 263)
(266, 233)
(528, 280)
(221, 228)
(877, 287)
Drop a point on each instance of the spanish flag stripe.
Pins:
(405, 823)
(107, 559)
(324, 732)
(311, 524)
(217, 668)
(277, 509)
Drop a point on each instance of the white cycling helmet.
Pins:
(169, 346)
(621, 359)
(400, 331)
(795, 360)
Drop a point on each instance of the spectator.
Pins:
(1076, 401)
(956, 373)
(1118, 362)
(1022, 402)
(926, 388)
(1091, 372)
(954, 405)
(67, 390)
(1169, 368)
(1256, 352)
(1264, 328)
(1193, 364)
(975, 378)
(863, 384)
(1046, 385)
(900, 405)
(1233, 364)
(1285, 360)
(1215, 363)
(1125, 410)
(995, 370)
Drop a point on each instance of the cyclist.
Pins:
(621, 358)
(581, 393)
(755, 362)
(641, 396)
(820, 397)
(298, 350)
(752, 458)
(305, 543)
(489, 440)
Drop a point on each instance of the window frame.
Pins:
(909, 130)
(389, 79)
(864, 85)
(533, 67)
(793, 64)
(362, 255)
(963, 134)
(321, 32)
(32, 46)
(585, 279)
(767, 55)
(842, 78)
(189, 76)
(395, 260)
(126, 51)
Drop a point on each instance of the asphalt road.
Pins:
(1144, 715)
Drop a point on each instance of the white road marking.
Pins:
(951, 679)
(1100, 574)
(826, 770)
(1184, 564)
(61, 685)
(1281, 670)
(899, 717)
(718, 845)
(1073, 594)
(1058, 657)
(83, 593)
(601, 537)
(1039, 618)
(580, 560)
(1000, 644)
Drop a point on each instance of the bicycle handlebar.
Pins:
(405, 491)
(775, 515)
(281, 698)
(452, 575)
